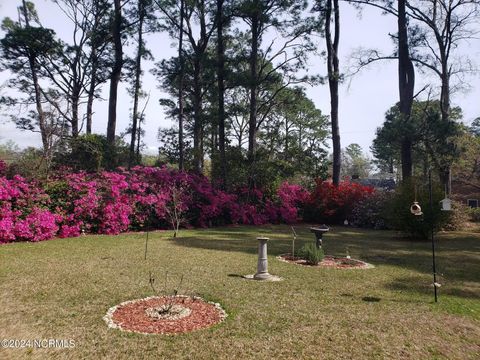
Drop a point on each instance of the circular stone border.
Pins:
(135, 315)
(328, 261)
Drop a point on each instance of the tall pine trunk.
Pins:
(75, 98)
(96, 43)
(75, 104)
(445, 171)
(252, 119)
(77, 88)
(181, 160)
(287, 134)
(197, 114)
(91, 89)
(221, 91)
(333, 80)
(116, 72)
(138, 73)
(406, 83)
(42, 123)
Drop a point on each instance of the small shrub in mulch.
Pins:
(311, 254)
(328, 261)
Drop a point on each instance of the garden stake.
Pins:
(433, 240)
(146, 246)
(293, 241)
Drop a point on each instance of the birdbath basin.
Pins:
(319, 231)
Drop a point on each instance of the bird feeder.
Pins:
(446, 204)
(416, 209)
(319, 231)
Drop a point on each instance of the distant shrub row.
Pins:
(145, 197)
(111, 202)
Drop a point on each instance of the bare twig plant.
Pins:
(146, 247)
(293, 241)
(169, 295)
(175, 208)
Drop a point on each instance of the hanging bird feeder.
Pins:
(446, 203)
(416, 209)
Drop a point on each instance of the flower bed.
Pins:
(328, 261)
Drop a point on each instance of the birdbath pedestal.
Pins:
(262, 264)
(319, 231)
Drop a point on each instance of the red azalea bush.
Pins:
(334, 204)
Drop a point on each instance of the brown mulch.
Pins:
(132, 316)
(328, 261)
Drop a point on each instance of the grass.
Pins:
(62, 288)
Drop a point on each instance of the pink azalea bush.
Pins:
(97, 203)
(292, 198)
(114, 202)
(23, 212)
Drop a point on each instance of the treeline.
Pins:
(235, 87)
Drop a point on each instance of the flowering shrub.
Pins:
(23, 216)
(333, 204)
(114, 202)
(39, 225)
(93, 203)
(292, 198)
(458, 217)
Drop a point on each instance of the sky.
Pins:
(364, 98)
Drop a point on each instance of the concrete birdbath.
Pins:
(262, 273)
(319, 231)
(329, 260)
(262, 264)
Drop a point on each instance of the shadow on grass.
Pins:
(371, 299)
(235, 276)
(424, 286)
(458, 255)
(246, 246)
(376, 299)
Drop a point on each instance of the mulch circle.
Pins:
(328, 261)
(148, 316)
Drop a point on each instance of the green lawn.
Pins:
(62, 288)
